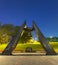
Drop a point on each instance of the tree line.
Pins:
(7, 31)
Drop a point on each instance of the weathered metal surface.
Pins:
(49, 50)
(13, 42)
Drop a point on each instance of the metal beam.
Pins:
(13, 42)
(45, 44)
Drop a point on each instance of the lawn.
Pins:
(36, 46)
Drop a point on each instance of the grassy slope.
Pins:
(35, 46)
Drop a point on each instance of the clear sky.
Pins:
(43, 12)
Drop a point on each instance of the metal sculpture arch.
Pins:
(13, 43)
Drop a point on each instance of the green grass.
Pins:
(24, 46)
(34, 46)
(54, 45)
(3, 46)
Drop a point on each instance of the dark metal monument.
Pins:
(13, 43)
(45, 44)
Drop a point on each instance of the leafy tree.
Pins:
(15, 30)
(25, 37)
(8, 28)
(4, 38)
(7, 31)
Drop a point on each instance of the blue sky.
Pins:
(43, 12)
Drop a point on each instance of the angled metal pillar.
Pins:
(49, 50)
(13, 43)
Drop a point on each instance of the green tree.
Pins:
(15, 30)
(5, 33)
(25, 37)
(8, 28)
(4, 38)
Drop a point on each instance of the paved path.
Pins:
(28, 60)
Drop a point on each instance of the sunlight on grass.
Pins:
(2, 46)
(35, 46)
